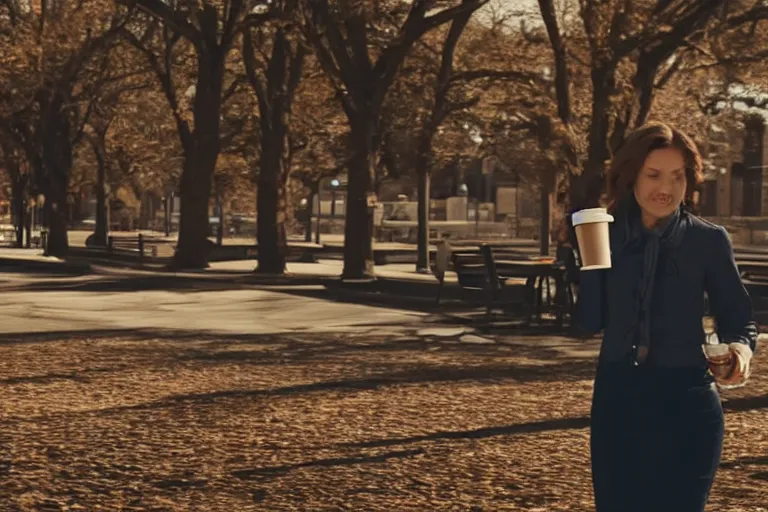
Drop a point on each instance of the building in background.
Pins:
(736, 169)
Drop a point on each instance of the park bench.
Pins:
(478, 279)
(548, 283)
(753, 270)
(752, 263)
(140, 245)
(485, 273)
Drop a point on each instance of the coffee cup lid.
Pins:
(715, 350)
(591, 216)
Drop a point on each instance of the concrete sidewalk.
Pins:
(332, 269)
(32, 260)
(324, 268)
(324, 271)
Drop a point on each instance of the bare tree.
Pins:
(647, 37)
(451, 93)
(362, 58)
(211, 28)
(274, 77)
(48, 120)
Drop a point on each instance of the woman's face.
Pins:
(660, 185)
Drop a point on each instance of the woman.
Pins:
(657, 421)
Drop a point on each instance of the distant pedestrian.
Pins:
(657, 422)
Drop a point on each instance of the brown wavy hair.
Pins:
(629, 159)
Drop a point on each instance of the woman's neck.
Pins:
(651, 222)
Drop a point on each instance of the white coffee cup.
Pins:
(718, 353)
(591, 227)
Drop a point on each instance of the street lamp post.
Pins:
(319, 212)
(43, 224)
(306, 207)
(334, 187)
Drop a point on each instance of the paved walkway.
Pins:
(242, 311)
(324, 268)
(253, 400)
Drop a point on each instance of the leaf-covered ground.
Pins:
(377, 421)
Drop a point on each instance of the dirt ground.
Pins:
(375, 421)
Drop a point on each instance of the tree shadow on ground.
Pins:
(46, 269)
(572, 423)
(749, 403)
(377, 363)
(414, 375)
(761, 460)
(82, 375)
(137, 283)
(299, 345)
(739, 464)
(276, 471)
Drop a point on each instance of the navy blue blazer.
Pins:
(699, 267)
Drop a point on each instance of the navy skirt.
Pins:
(656, 439)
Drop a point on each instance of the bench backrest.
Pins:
(131, 243)
(470, 268)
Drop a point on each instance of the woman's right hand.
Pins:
(731, 369)
(722, 366)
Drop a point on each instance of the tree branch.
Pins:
(456, 107)
(331, 70)
(296, 71)
(560, 52)
(250, 69)
(235, 8)
(169, 16)
(166, 82)
(338, 46)
(758, 12)
(446, 15)
(358, 40)
(478, 74)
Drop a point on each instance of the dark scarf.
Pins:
(665, 237)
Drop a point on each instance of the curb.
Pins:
(70, 267)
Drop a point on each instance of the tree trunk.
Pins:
(271, 237)
(423, 169)
(167, 202)
(19, 208)
(547, 180)
(195, 191)
(283, 75)
(358, 229)
(308, 221)
(587, 188)
(220, 227)
(57, 165)
(201, 151)
(644, 83)
(55, 215)
(546, 214)
(101, 231)
(422, 234)
(562, 76)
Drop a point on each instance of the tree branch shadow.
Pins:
(571, 423)
(749, 403)
(745, 461)
(419, 374)
(276, 471)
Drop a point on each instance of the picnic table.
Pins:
(540, 274)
